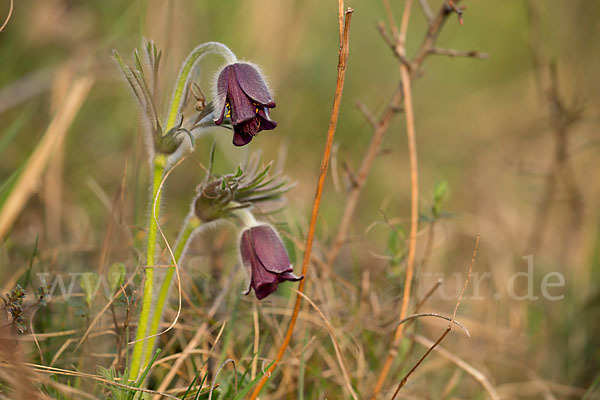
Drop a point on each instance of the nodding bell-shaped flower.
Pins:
(242, 95)
(265, 259)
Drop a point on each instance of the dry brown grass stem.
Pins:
(66, 372)
(37, 344)
(414, 199)
(336, 345)
(478, 375)
(256, 340)
(341, 76)
(10, 11)
(28, 180)
(164, 384)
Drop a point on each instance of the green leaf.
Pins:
(440, 192)
(144, 374)
(15, 127)
(9, 184)
(88, 282)
(240, 394)
(116, 276)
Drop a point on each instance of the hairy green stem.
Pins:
(140, 347)
(143, 348)
(184, 77)
(191, 224)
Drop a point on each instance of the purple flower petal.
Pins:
(270, 250)
(263, 290)
(243, 96)
(289, 276)
(240, 138)
(253, 84)
(266, 123)
(242, 108)
(226, 76)
(247, 256)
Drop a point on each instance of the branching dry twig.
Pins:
(447, 331)
(561, 117)
(459, 53)
(479, 376)
(409, 71)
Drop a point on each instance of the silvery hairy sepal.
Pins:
(242, 96)
(220, 197)
(143, 83)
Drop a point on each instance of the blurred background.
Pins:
(507, 147)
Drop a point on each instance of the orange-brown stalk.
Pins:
(342, 62)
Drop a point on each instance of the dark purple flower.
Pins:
(243, 96)
(265, 260)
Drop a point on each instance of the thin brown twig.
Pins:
(428, 246)
(421, 302)
(462, 292)
(391, 42)
(400, 44)
(426, 10)
(433, 346)
(479, 376)
(452, 321)
(342, 63)
(431, 36)
(459, 53)
(391, 19)
(10, 11)
(354, 195)
(430, 314)
(561, 118)
(367, 114)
